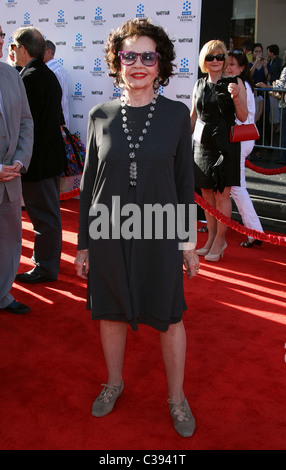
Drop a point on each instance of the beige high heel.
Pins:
(216, 256)
(202, 251)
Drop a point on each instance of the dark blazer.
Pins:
(44, 95)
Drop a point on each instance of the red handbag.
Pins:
(244, 132)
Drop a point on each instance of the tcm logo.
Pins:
(78, 90)
(98, 14)
(78, 40)
(140, 11)
(184, 65)
(61, 19)
(27, 19)
(116, 92)
(97, 65)
(187, 14)
(78, 95)
(61, 16)
(186, 8)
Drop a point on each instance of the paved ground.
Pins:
(268, 192)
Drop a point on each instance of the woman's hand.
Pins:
(238, 94)
(262, 85)
(191, 262)
(82, 263)
(233, 89)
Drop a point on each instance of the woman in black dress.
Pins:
(216, 103)
(139, 153)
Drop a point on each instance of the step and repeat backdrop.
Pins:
(79, 29)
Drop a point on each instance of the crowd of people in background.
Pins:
(267, 69)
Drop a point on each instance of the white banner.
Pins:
(79, 29)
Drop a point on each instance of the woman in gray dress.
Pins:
(139, 154)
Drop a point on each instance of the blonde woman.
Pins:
(217, 102)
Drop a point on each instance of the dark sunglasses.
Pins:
(218, 57)
(2, 35)
(147, 58)
(14, 46)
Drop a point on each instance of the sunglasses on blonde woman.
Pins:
(218, 57)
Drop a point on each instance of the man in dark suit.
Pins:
(16, 144)
(41, 182)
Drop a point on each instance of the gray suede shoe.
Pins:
(184, 422)
(105, 402)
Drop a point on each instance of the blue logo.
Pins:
(184, 65)
(186, 8)
(140, 11)
(78, 40)
(61, 16)
(98, 14)
(60, 61)
(26, 19)
(160, 90)
(97, 65)
(116, 92)
(77, 89)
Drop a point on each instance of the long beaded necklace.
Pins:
(133, 147)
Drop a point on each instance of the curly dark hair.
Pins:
(141, 27)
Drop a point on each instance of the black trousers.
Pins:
(42, 204)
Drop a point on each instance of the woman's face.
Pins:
(139, 77)
(257, 51)
(215, 65)
(233, 67)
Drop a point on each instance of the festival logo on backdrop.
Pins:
(78, 95)
(97, 70)
(27, 18)
(61, 23)
(184, 69)
(98, 19)
(78, 45)
(140, 11)
(187, 14)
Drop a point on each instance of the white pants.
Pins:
(240, 194)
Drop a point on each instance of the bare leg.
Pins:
(173, 345)
(113, 338)
(209, 197)
(223, 204)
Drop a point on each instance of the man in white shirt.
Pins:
(61, 75)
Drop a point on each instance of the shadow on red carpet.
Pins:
(52, 363)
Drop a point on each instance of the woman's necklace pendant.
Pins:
(133, 147)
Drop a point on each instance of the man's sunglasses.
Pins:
(218, 57)
(147, 58)
(2, 35)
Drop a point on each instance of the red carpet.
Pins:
(52, 364)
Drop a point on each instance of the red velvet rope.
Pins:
(69, 194)
(275, 240)
(265, 171)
